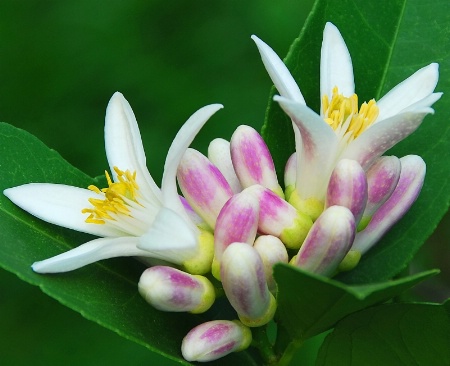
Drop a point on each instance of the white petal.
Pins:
(424, 104)
(124, 148)
(335, 64)
(182, 140)
(88, 253)
(170, 238)
(319, 149)
(417, 87)
(278, 72)
(381, 136)
(60, 205)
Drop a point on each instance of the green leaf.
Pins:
(387, 44)
(394, 334)
(309, 304)
(103, 292)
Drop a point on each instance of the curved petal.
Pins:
(124, 148)
(335, 64)
(319, 149)
(88, 253)
(418, 86)
(380, 137)
(278, 72)
(170, 238)
(182, 140)
(60, 205)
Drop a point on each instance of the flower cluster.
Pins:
(234, 221)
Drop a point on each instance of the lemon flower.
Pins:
(343, 129)
(133, 215)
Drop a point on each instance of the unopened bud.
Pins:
(169, 289)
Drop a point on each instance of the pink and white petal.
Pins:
(335, 64)
(181, 142)
(417, 87)
(408, 188)
(380, 137)
(290, 171)
(220, 155)
(278, 72)
(319, 149)
(203, 185)
(59, 204)
(88, 253)
(124, 148)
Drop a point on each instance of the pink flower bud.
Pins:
(169, 289)
(382, 178)
(244, 283)
(328, 241)
(280, 219)
(348, 187)
(215, 339)
(272, 251)
(252, 160)
(408, 188)
(203, 185)
(237, 222)
(220, 155)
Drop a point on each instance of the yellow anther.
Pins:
(115, 197)
(340, 111)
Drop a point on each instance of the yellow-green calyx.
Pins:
(267, 317)
(365, 220)
(208, 298)
(288, 191)
(350, 261)
(201, 262)
(246, 336)
(294, 236)
(311, 206)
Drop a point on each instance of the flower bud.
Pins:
(220, 155)
(280, 219)
(169, 289)
(348, 187)
(215, 339)
(203, 185)
(244, 283)
(237, 222)
(382, 178)
(328, 241)
(252, 160)
(272, 251)
(290, 175)
(405, 193)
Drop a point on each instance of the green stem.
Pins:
(261, 341)
(289, 352)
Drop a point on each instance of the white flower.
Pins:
(134, 216)
(343, 129)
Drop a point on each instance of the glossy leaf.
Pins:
(394, 334)
(104, 292)
(387, 44)
(309, 304)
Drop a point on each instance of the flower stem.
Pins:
(262, 343)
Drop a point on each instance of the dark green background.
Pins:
(60, 61)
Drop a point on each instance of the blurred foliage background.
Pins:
(60, 62)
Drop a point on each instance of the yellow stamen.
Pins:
(115, 197)
(339, 109)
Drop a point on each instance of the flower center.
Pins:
(342, 114)
(117, 198)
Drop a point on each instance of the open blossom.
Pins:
(134, 216)
(343, 129)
